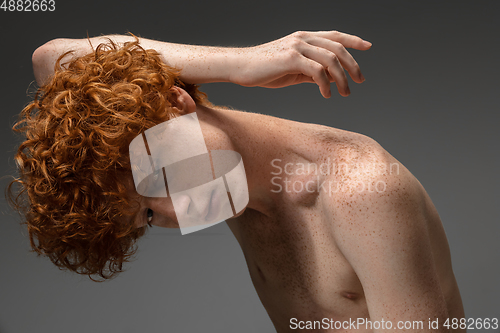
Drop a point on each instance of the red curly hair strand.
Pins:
(74, 159)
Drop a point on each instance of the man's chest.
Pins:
(293, 259)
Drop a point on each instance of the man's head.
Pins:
(74, 160)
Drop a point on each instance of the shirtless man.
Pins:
(330, 240)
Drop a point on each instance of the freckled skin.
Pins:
(316, 254)
(342, 253)
(370, 245)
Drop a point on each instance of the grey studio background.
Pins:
(430, 98)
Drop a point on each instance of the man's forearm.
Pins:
(198, 64)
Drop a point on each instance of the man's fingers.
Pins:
(345, 58)
(351, 41)
(316, 71)
(331, 63)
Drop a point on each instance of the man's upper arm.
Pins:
(381, 227)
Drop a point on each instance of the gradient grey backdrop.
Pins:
(430, 98)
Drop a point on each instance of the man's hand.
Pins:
(318, 57)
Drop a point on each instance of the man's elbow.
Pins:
(43, 60)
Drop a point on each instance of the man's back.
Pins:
(295, 254)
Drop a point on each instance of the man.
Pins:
(335, 229)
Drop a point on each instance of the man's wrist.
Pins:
(205, 64)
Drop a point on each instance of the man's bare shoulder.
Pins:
(348, 146)
(382, 221)
(362, 172)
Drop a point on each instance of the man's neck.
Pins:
(259, 139)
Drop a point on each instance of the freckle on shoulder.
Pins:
(345, 141)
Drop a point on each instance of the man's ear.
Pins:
(182, 101)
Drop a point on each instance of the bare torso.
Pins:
(294, 261)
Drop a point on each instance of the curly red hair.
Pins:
(75, 156)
